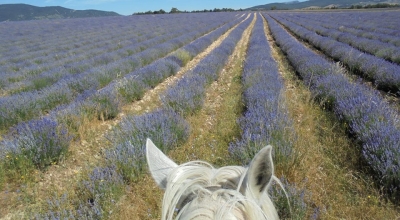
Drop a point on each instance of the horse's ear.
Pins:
(260, 172)
(159, 164)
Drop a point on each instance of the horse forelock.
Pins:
(198, 190)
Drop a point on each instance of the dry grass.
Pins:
(329, 166)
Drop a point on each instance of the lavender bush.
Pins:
(165, 128)
(107, 105)
(39, 142)
(99, 193)
(294, 205)
(57, 208)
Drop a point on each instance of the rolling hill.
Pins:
(20, 12)
(320, 4)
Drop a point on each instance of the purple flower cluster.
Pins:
(371, 120)
(56, 209)
(165, 128)
(384, 74)
(41, 142)
(295, 197)
(98, 192)
(266, 119)
(187, 95)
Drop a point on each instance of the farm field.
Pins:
(79, 97)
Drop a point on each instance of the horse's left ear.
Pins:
(159, 164)
(260, 173)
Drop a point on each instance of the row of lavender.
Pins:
(27, 105)
(332, 21)
(381, 26)
(373, 21)
(377, 48)
(266, 120)
(384, 74)
(370, 119)
(167, 129)
(26, 69)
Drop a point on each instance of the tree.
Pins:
(159, 12)
(174, 10)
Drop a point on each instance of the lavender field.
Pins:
(79, 97)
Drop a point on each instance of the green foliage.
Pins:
(2, 176)
(379, 5)
(32, 145)
(174, 10)
(98, 192)
(131, 91)
(107, 106)
(41, 82)
(183, 56)
(104, 79)
(16, 168)
(292, 204)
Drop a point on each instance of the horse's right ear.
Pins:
(159, 164)
(260, 173)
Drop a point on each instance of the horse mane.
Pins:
(197, 189)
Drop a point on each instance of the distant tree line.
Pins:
(175, 10)
(379, 5)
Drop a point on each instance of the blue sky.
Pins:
(127, 7)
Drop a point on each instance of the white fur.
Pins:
(197, 190)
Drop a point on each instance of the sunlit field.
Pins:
(79, 98)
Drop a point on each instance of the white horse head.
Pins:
(196, 190)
